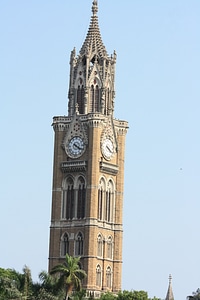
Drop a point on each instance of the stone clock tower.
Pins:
(88, 171)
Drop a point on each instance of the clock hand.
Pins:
(108, 148)
(78, 147)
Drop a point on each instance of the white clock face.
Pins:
(75, 147)
(107, 148)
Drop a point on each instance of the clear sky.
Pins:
(157, 91)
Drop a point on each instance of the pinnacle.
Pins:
(170, 295)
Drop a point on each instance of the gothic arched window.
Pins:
(98, 276)
(109, 247)
(109, 277)
(81, 198)
(108, 210)
(94, 98)
(101, 195)
(64, 244)
(68, 199)
(107, 100)
(100, 245)
(80, 98)
(79, 244)
(97, 98)
(109, 202)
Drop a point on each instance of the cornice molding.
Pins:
(108, 168)
(73, 166)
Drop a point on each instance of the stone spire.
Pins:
(92, 74)
(93, 42)
(170, 295)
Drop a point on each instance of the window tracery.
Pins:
(106, 200)
(110, 247)
(81, 198)
(79, 244)
(101, 196)
(109, 277)
(74, 198)
(94, 98)
(100, 245)
(68, 199)
(64, 244)
(98, 275)
(80, 98)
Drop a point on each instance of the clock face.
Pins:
(107, 148)
(75, 147)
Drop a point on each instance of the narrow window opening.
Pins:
(79, 244)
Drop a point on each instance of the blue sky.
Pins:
(157, 91)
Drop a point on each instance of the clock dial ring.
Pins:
(107, 148)
(75, 147)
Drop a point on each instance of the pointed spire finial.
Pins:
(94, 7)
(170, 295)
(170, 278)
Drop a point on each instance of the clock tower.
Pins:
(88, 170)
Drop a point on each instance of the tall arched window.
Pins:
(109, 277)
(79, 244)
(101, 196)
(109, 206)
(80, 98)
(97, 98)
(68, 199)
(94, 98)
(64, 244)
(108, 210)
(100, 245)
(81, 198)
(100, 203)
(110, 247)
(98, 276)
(107, 101)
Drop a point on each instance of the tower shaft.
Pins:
(88, 170)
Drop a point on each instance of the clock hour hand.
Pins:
(108, 148)
(78, 147)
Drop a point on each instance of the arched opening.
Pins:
(64, 244)
(68, 199)
(80, 98)
(79, 244)
(81, 198)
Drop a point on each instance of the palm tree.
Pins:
(27, 284)
(51, 285)
(70, 274)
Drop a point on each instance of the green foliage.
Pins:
(79, 295)
(50, 287)
(195, 295)
(9, 284)
(132, 295)
(14, 285)
(19, 286)
(44, 295)
(8, 289)
(108, 296)
(70, 274)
